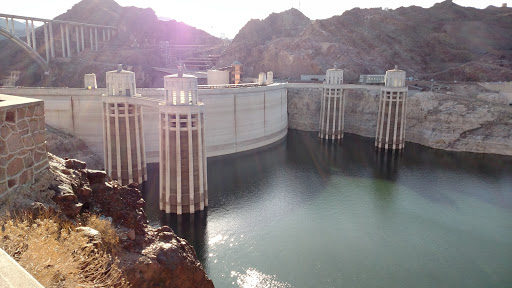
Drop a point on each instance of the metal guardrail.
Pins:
(229, 86)
(372, 79)
(54, 21)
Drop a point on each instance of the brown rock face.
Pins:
(66, 200)
(149, 257)
(264, 45)
(169, 262)
(123, 203)
(74, 164)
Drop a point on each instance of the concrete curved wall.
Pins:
(240, 119)
(236, 119)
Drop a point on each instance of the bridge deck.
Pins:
(32, 45)
(54, 21)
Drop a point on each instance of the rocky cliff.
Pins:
(257, 36)
(134, 24)
(149, 257)
(446, 41)
(304, 108)
(459, 122)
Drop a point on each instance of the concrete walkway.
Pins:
(13, 275)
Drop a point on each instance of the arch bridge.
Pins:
(42, 48)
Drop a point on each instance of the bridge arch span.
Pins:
(31, 52)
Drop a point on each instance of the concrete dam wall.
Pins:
(236, 119)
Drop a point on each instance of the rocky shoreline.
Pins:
(148, 256)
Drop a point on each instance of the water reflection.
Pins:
(437, 168)
(253, 278)
(304, 211)
(322, 154)
(232, 178)
(387, 164)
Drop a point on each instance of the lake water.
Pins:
(306, 213)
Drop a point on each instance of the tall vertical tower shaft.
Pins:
(237, 72)
(332, 118)
(183, 178)
(123, 135)
(392, 111)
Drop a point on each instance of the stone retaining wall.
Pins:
(23, 152)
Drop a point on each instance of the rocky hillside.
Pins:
(444, 42)
(136, 44)
(290, 23)
(19, 28)
(137, 24)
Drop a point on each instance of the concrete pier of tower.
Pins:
(183, 174)
(391, 118)
(123, 134)
(332, 106)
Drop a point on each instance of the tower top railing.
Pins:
(55, 21)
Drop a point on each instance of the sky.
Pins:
(227, 17)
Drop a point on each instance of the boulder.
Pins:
(165, 264)
(74, 164)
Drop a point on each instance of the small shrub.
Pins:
(109, 237)
(56, 255)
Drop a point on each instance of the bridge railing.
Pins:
(66, 35)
